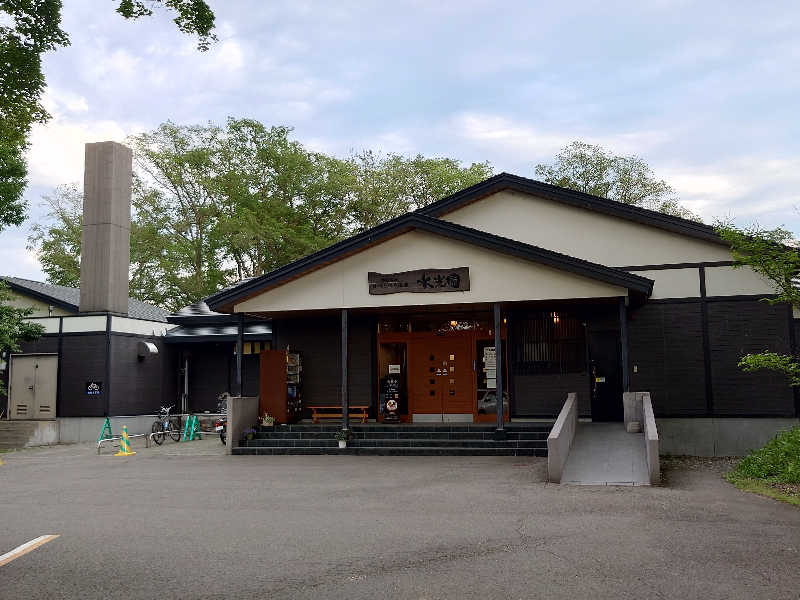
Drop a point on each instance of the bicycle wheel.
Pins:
(158, 429)
(175, 429)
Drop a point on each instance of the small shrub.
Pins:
(778, 461)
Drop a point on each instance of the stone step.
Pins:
(371, 442)
(333, 427)
(391, 451)
(370, 434)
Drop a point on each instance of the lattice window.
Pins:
(549, 343)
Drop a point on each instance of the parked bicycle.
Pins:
(221, 424)
(166, 425)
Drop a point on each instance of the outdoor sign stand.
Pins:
(191, 430)
(105, 433)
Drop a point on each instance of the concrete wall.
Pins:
(560, 439)
(26, 434)
(734, 436)
(493, 277)
(242, 413)
(73, 430)
(651, 439)
(105, 239)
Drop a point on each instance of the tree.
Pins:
(35, 30)
(627, 179)
(392, 185)
(14, 329)
(213, 204)
(773, 254)
(58, 240)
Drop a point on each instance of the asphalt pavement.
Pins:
(185, 521)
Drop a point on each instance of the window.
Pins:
(549, 343)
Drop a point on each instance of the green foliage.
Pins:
(772, 253)
(14, 329)
(628, 179)
(391, 185)
(216, 204)
(35, 28)
(58, 241)
(771, 361)
(777, 462)
(193, 16)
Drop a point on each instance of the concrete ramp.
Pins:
(606, 454)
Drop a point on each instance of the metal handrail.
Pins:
(116, 439)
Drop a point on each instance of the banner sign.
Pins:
(421, 281)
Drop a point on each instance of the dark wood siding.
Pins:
(318, 340)
(212, 371)
(737, 328)
(83, 358)
(137, 385)
(666, 347)
(544, 395)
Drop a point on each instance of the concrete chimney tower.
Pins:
(105, 240)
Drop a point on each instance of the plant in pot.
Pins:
(267, 420)
(342, 437)
(249, 433)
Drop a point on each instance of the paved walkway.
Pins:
(606, 454)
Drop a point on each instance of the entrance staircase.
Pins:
(522, 439)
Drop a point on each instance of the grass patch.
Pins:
(774, 470)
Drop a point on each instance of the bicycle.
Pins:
(166, 425)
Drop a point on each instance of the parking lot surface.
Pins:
(185, 521)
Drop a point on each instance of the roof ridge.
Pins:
(575, 198)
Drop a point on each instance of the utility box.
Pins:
(32, 386)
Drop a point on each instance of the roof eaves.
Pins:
(452, 230)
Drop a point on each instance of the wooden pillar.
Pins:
(345, 398)
(498, 349)
(623, 336)
(239, 355)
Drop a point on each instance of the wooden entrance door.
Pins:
(440, 377)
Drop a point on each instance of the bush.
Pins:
(778, 461)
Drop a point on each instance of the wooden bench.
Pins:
(335, 412)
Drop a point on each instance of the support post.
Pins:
(239, 355)
(345, 397)
(623, 336)
(498, 349)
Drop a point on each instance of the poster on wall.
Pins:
(490, 366)
(94, 388)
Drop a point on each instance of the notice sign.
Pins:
(394, 369)
(420, 281)
(94, 388)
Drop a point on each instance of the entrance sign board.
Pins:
(420, 281)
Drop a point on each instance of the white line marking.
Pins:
(25, 548)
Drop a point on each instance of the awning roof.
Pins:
(187, 334)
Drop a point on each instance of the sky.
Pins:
(707, 93)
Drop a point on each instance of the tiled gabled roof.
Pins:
(69, 298)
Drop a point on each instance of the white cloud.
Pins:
(57, 149)
(746, 189)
